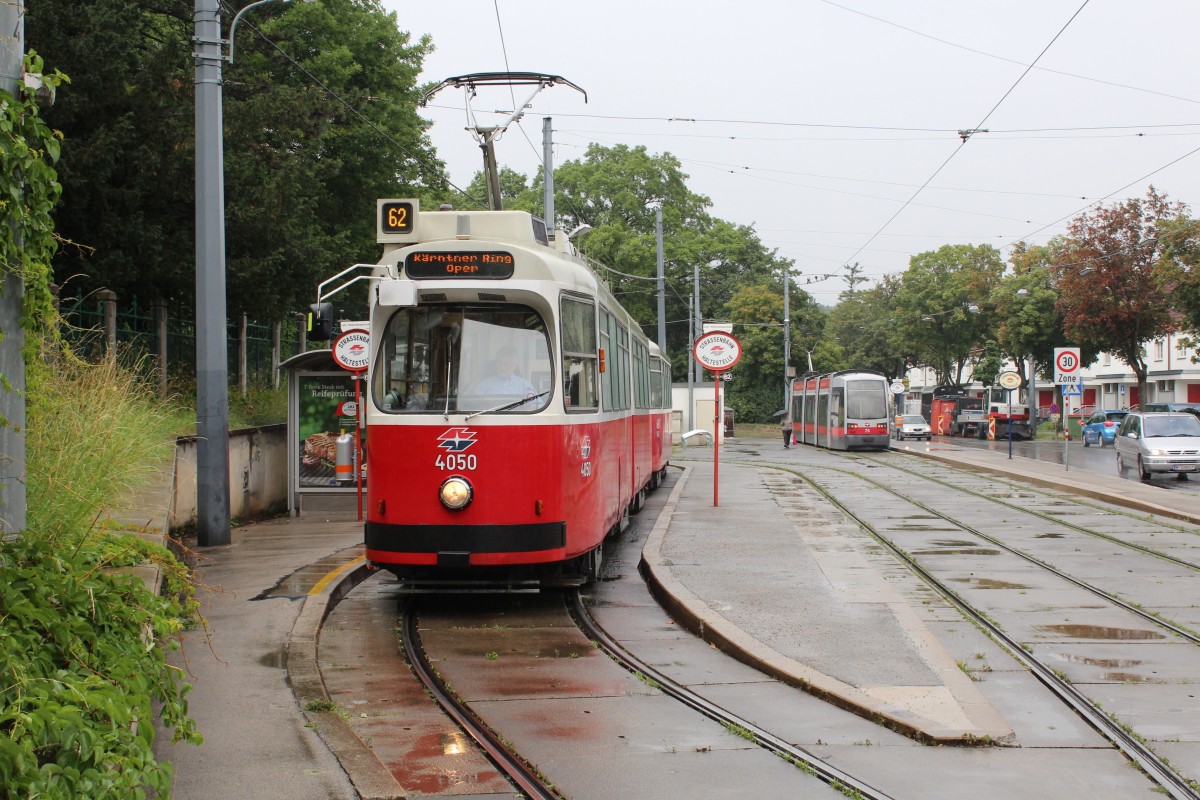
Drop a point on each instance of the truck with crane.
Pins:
(956, 411)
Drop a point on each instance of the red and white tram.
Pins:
(516, 415)
(845, 410)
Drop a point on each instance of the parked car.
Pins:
(1158, 442)
(913, 426)
(1191, 408)
(1101, 427)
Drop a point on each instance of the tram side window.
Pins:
(656, 383)
(641, 355)
(623, 368)
(606, 379)
(581, 391)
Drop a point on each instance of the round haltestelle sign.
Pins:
(717, 351)
(352, 350)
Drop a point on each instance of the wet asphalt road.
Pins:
(1100, 460)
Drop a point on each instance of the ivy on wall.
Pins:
(29, 191)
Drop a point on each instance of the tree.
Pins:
(757, 388)
(940, 305)
(304, 161)
(1111, 292)
(854, 277)
(862, 331)
(1180, 271)
(514, 192)
(989, 364)
(609, 189)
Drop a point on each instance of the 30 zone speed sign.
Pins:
(1066, 366)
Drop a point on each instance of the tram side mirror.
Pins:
(320, 321)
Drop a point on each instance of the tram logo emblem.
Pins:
(585, 448)
(456, 440)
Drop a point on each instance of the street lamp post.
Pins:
(787, 336)
(212, 379)
(212, 370)
(1033, 401)
(662, 280)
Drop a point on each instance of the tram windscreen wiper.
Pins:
(507, 406)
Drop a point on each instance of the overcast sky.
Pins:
(832, 126)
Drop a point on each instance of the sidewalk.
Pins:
(775, 577)
(257, 740)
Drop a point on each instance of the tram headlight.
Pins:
(455, 493)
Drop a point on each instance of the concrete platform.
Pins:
(796, 596)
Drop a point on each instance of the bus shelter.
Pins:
(321, 408)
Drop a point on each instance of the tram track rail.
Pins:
(521, 774)
(527, 780)
(1049, 518)
(798, 756)
(1120, 602)
(1171, 782)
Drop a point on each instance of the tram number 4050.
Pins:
(455, 461)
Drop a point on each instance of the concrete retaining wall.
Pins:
(258, 475)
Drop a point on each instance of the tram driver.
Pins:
(505, 380)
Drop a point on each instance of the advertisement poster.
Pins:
(326, 410)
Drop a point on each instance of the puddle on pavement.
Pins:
(1126, 677)
(1100, 632)
(1104, 663)
(274, 658)
(297, 585)
(990, 583)
(962, 551)
(956, 547)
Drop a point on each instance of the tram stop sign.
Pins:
(717, 351)
(1009, 380)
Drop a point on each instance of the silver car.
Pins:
(913, 426)
(1157, 442)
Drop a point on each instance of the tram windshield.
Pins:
(865, 400)
(464, 358)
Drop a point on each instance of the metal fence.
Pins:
(160, 341)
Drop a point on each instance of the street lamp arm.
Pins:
(237, 18)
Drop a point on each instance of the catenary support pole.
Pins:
(548, 175)
(662, 280)
(212, 370)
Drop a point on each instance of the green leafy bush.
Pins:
(83, 658)
(83, 646)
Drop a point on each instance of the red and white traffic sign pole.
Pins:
(351, 352)
(717, 352)
(1066, 373)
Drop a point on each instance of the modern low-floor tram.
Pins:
(845, 410)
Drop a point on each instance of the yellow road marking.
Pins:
(330, 577)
